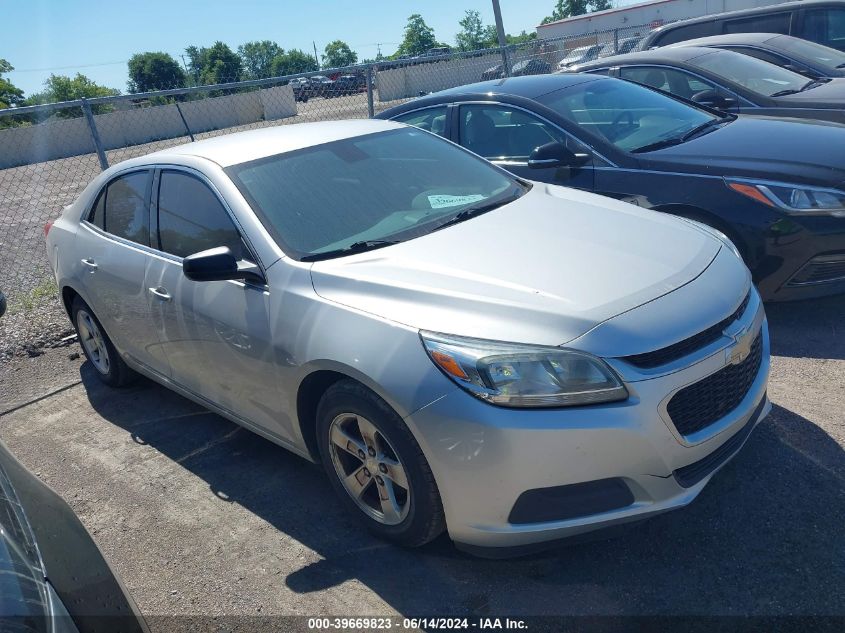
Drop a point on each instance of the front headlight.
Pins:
(512, 375)
(794, 199)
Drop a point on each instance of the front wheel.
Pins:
(376, 466)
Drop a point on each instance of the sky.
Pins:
(97, 37)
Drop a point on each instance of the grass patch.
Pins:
(28, 301)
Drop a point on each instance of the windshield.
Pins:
(758, 76)
(824, 56)
(625, 114)
(393, 186)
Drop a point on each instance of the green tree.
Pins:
(58, 88)
(522, 38)
(215, 65)
(10, 95)
(154, 71)
(338, 54)
(568, 8)
(257, 58)
(292, 62)
(474, 34)
(419, 37)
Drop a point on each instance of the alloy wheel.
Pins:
(369, 469)
(92, 341)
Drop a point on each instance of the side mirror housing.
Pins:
(713, 99)
(219, 264)
(555, 154)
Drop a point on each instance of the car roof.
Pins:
(730, 38)
(530, 86)
(241, 147)
(770, 8)
(667, 54)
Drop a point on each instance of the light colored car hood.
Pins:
(544, 269)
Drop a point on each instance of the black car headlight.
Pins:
(793, 199)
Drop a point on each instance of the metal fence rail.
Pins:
(49, 153)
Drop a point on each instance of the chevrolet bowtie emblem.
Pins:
(741, 348)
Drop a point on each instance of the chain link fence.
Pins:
(49, 153)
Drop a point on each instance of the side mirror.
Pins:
(555, 154)
(219, 264)
(713, 99)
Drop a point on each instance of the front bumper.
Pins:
(804, 263)
(484, 457)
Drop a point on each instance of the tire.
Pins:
(98, 348)
(411, 515)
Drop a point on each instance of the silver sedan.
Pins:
(511, 361)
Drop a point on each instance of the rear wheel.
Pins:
(376, 466)
(98, 348)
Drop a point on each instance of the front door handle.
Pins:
(90, 263)
(161, 293)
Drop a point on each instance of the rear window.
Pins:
(770, 23)
(683, 33)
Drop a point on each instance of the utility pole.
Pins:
(500, 32)
(316, 59)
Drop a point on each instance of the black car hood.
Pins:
(790, 150)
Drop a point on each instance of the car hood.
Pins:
(544, 269)
(793, 150)
(828, 95)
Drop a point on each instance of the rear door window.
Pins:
(669, 80)
(770, 23)
(121, 208)
(825, 26)
(503, 133)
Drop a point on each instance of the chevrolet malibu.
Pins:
(462, 349)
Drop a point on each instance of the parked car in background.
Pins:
(321, 86)
(349, 85)
(821, 21)
(580, 55)
(422, 322)
(801, 56)
(533, 66)
(54, 578)
(775, 187)
(728, 81)
(301, 88)
(624, 46)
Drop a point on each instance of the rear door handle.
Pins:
(90, 263)
(161, 293)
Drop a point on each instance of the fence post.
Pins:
(615, 41)
(370, 108)
(95, 136)
(184, 122)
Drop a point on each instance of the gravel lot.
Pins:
(201, 517)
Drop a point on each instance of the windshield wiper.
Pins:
(355, 247)
(683, 138)
(708, 125)
(810, 84)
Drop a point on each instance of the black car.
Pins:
(52, 576)
(775, 187)
(802, 56)
(2, 303)
(533, 66)
(728, 81)
(347, 85)
(814, 20)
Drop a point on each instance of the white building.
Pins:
(653, 13)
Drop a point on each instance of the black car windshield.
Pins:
(829, 58)
(754, 74)
(626, 114)
(368, 191)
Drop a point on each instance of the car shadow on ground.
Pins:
(808, 329)
(763, 538)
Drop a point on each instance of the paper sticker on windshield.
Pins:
(441, 201)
